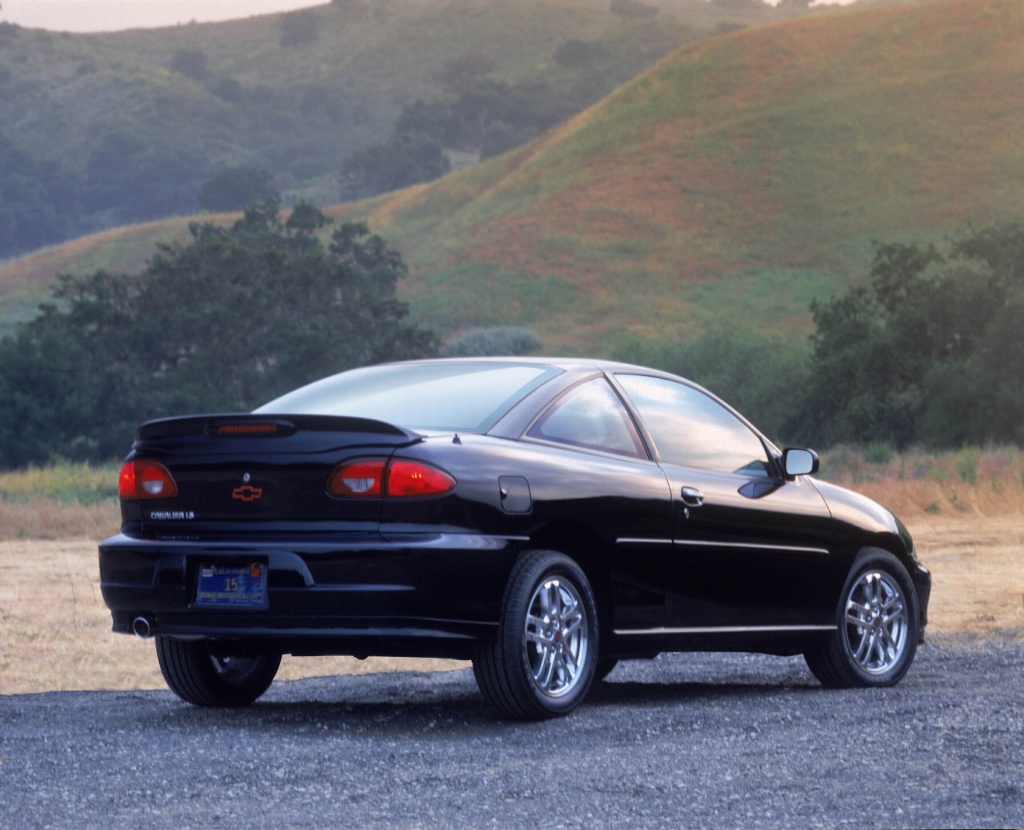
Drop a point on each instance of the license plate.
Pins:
(232, 586)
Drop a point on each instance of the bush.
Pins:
(878, 452)
(494, 341)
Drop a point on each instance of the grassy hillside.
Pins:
(732, 183)
(129, 125)
(728, 186)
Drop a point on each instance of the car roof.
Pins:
(565, 363)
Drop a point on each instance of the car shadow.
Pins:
(413, 703)
(639, 693)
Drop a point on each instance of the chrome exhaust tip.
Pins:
(141, 628)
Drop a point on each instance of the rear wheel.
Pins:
(211, 677)
(877, 626)
(545, 657)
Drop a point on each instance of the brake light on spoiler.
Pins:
(246, 429)
(390, 478)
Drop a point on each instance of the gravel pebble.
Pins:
(690, 740)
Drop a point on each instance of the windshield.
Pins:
(459, 395)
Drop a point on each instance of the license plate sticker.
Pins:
(232, 586)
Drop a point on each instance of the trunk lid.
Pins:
(261, 473)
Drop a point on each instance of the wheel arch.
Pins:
(892, 543)
(590, 551)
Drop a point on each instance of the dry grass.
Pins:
(55, 631)
(41, 518)
(953, 484)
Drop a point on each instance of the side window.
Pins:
(591, 416)
(693, 430)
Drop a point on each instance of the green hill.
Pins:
(734, 182)
(99, 130)
(726, 187)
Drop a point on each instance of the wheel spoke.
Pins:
(545, 669)
(859, 620)
(544, 597)
(864, 648)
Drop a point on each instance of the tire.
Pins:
(877, 626)
(544, 659)
(203, 677)
(604, 668)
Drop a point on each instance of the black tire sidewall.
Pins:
(876, 559)
(534, 569)
(188, 669)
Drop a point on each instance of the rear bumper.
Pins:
(414, 594)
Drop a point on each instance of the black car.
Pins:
(542, 518)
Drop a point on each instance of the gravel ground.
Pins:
(682, 741)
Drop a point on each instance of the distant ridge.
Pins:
(728, 186)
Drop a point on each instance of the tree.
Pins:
(171, 169)
(39, 201)
(465, 71)
(299, 28)
(929, 350)
(192, 63)
(760, 374)
(632, 9)
(579, 54)
(406, 159)
(232, 318)
(235, 187)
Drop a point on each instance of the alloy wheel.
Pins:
(877, 622)
(556, 637)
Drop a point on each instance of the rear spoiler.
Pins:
(247, 425)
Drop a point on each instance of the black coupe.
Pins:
(542, 518)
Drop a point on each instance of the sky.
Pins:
(113, 15)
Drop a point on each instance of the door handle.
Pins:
(692, 497)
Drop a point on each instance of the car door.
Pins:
(598, 474)
(750, 548)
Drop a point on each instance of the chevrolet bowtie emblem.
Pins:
(247, 493)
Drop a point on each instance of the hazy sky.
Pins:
(110, 15)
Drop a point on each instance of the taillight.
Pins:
(142, 479)
(411, 478)
(363, 477)
(400, 478)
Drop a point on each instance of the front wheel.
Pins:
(877, 626)
(545, 657)
(199, 674)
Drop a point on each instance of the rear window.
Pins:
(465, 396)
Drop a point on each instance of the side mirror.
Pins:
(799, 462)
